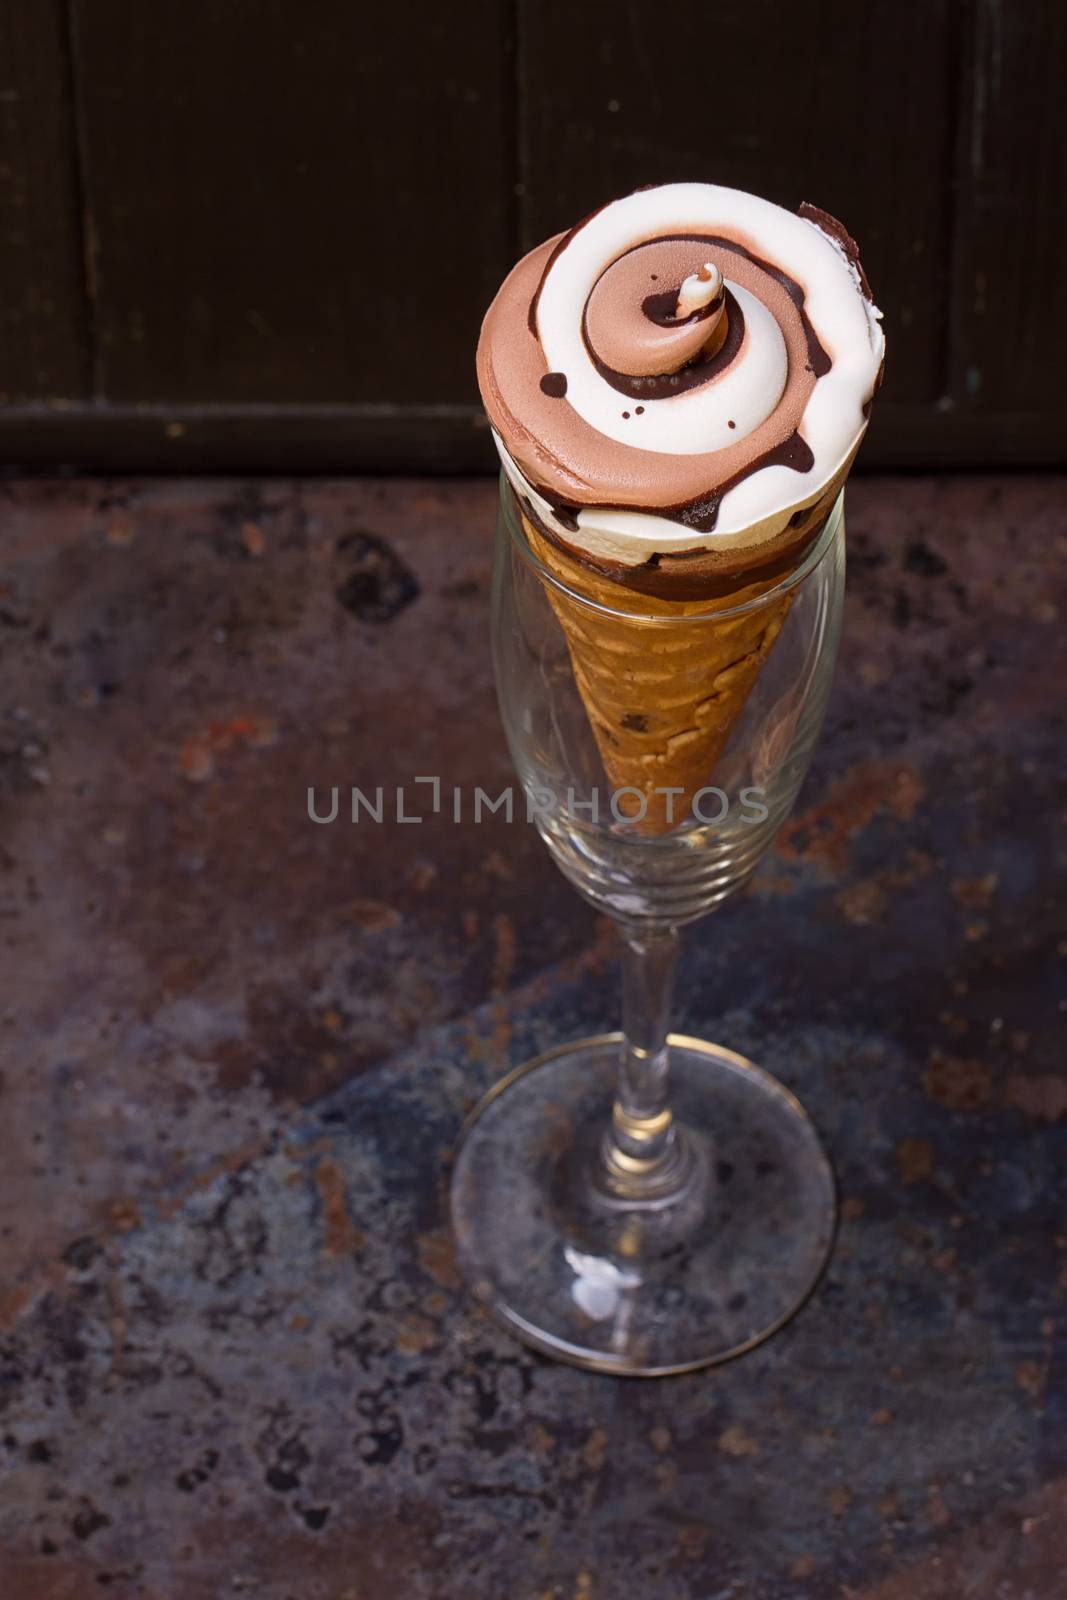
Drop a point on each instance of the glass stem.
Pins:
(642, 1152)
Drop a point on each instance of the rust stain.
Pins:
(253, 538)
(492, 1047)
(542, 1441)
(936, 1508)
(881, 1417)
(120, 530)
(417, 1334)
(771, 883)
(803, 1566)
(1036, 1561)
(1044, 1098)
(373, 916)
(362, 1555)
(840, 1500)
(590, 962)
(13, 1302)
(660, 1440)
(958, 1083)
(48, 1577)
(504, 949)
(736, 1442)
(124, 1216)
(693, 1538)
(343, 1238)
(256, 730)
(437, 1257)
(906, 792)
(170, 1205)
(868, 900)
(825, 833)
(421, 874)
(118, 1309)
(197, 757)
(595, 1449)
(503, 952)
(974, 894)
(495, 866)
(603, 954)
(196, 761)
(1030, 1376)
(862, 903)
(915, 1160)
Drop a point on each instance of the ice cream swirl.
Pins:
(683, 373)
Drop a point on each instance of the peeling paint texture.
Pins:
(237, 1046)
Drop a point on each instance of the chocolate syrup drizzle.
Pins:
(554, 384)
(696, 373)
(818, 361)
(659, 308)
(710, 585)
(701, 513)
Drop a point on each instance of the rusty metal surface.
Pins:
(234, 1357)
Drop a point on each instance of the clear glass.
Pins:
(640, 1202)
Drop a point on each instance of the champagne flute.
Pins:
(642, 1202)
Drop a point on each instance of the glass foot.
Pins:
(664, 1286)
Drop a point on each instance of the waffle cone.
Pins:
(662, 702)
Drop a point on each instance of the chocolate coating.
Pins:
(568, 459)
(626, 328)
(681, 451)
(708, 574)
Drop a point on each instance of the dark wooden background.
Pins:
(260, 234)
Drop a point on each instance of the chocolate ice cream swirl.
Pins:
(682, 375)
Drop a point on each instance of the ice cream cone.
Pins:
(662, 700)
(677, 389)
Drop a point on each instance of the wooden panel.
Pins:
(843, 104)
(294, 199)
(43, 347)
(262, 439)
(1010, 335)
(266, 181)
